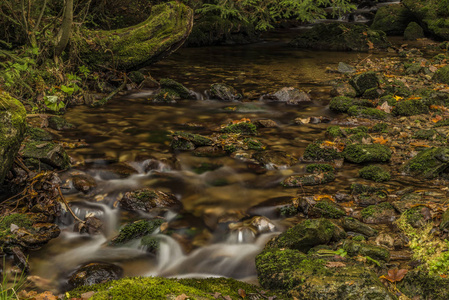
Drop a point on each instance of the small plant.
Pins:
(10, 290)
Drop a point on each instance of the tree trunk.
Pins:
(65, 31)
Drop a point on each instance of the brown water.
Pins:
(131, 129)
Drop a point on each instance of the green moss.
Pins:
(429, 163)
(328, 209)
(414, 216)
(375, 173)
(245, 128)
(373, 210)
(392, 19)
(367, 112)
(364, 82)
(195, 139)
(39, 134)
(413, 32)
(308, 179)
(319, 168)
(254, 144)
(360, 153)
(135, 230)
(390, 99)
(48, 153)
(354, 248)
(442, 123)
(315, 152)
(358, 238)
(165, 96)
(334, 131)
(424, 134)
(421, 284)
(21, 220)
(151, 243)
(288, 211)
(341, 104)
(410, 108)
(380, 128)
(442, 75)
(176, 88)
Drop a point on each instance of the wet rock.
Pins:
(374, 173)
(59, 123)
(223, 92)
(91, 225)
(343, 89)
(354, 225)
(147, 199)
(422, 285)
(385, 240)
(84, 183)
(20, 259)
(309, 179)
(209, 151)
(345, 68)
(395, 87)
(364, 81)
(327, 209)
(121, 169)
(340, 37)
(360, 153)
(188, 141)
(39, 134)
(392, 19)
(176, 89)
(12, 130)
(429, 163)
(95, 273)
(47, 153)
(275, 159)
(36, 236)
(135, 230)
(257, 225)
(136, 77)
(149, 83)
(318, 151)
(150, 243)
(383, 213)
(367, 112)
(288, 95)
(444, 225)
(358, 248)
(266, 123)
(305, 235)
(164, 96)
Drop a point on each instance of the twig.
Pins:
(68, 207)
(363, 59)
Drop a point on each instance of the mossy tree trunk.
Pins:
(133, 47)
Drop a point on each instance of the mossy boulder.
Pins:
(442, 75)
(310, 277)
(189, 141)
(308, 179)
(288, 95)
(429, 163)
(375, 173)
(392, 19)
(212, 30)
(223, 92)
(159, 288)
(317, 151)
(38, 134)
(319, 168)
(367, 112)
(175, 88)
(410, 108)
(245, 128)
(432, 15)
(133, 47)
(59, 123)
(94, 273)
(146, 199)
(413, 32)
(306, 235)
(326, 209)
(366, 195)
(358, 248)
(343, 89)
(416, 216)
(361, 153)
(135, 230)
(364, 82)
(46, 153)
(395, 87)
(383, 213)
(12, 130)
(341, 103)
(341, 37)
(354, 225)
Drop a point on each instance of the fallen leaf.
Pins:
(242, 293)
(395, 275)
(321, 197)
(437, 119)
(419, 144)
(227, 297)
(380, 140)
(433, 69)
(216, 295)
(87, 295)
(385, 107)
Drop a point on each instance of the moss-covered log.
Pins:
(133, 47)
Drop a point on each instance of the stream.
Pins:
(210, 235)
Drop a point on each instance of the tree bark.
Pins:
(65, 31)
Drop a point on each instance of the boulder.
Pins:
(275, 159)
(354, 248)
(432, 15)
(308, 179)
(48, 153)
(133, 47)
(429, 163)
(364, 82)
(392, 19)
(354, 225)
(147, 199)
(442, 75)
(383, 213)
(288, 95)
(223, 92)
(59, 123)
(413, 32)
(94, 273)
(135, 230)
(12, 130)
(361, 153)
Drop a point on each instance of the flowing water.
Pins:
(210, 239)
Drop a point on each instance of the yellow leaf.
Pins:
(397, 98)
(321, 197)
(380, 140)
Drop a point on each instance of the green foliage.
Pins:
(375, 173)
(9, 289)
(264, 13)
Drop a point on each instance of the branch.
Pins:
(40, 16)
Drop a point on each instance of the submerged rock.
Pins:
(84, 183)
(12, 130)
(47, 153)
(275, 159)
(176, 89)
(95, 273)
(147, 199)
(135, 230)
(223, 92)
(308, 179)
(288, 95)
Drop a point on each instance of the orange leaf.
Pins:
(242, 293)
(395, 275)
(380, 140)
(437, 118)
(321, 197)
